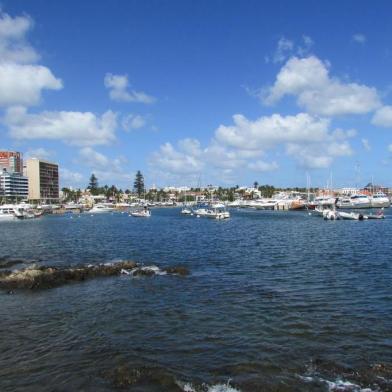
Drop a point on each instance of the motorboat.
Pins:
(321, 201)
(143, 213)
(7, 212)
(186, 211)
(351, 216)
(101, 207)
(331, 214)
(354, 201)
(379, 200)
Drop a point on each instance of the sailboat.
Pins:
(186, 210)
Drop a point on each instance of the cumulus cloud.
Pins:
(21, 81)
(270, 131)
(307, 138)
(283, 50)
(76, 128)
(133, 121)
(383, 117)
(118, 90)
(13, 44)
(309, 81)
(359, 38)
(23, 84)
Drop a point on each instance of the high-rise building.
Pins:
(43, 180)
(13, 185)
(11, 161)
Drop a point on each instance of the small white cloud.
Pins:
(70, 178)
(92, 158)
(283, 50)
(366, 144)
(76, 128)
(133, 121)
(262, 166)
(118, 90)
(359, 38)
(40, 153)
(383, 117)
(390, 148)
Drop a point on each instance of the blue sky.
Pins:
(222, 92)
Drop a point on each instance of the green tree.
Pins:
(93, 184)
(138, 184)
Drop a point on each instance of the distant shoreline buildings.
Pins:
(36, 180)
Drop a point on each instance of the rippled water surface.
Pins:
(274, 301)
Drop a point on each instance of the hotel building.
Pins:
(43, 181)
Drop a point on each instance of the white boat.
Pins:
(321, 201)
(101, 207)
(351, 216)
(144, 213)
(7, 212)
(380, 200)
(331, 214)
(186, 211)
(354, 201)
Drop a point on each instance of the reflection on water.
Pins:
(274, 301)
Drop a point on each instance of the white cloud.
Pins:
(70, 178)
(308, 79)
(366, 144)
(262, 166)
(283, 50)
(307, 138)
(76, 128)
(118, 86)
(390, 148)
(133, 121)
(23, 84)
(267, 132)
(359, 38)
(92, 158)
(184, 160)
(383, 117)
(21, 81)
(13, 44)
(40, 153)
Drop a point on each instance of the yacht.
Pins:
(354, 201)
(102, 207)
(380, 200)
(321, 201)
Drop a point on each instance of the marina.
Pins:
(286, 278)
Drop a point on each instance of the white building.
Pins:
(14, 185)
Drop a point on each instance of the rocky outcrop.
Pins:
(40, 277)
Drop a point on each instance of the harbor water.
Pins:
(274, 301)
